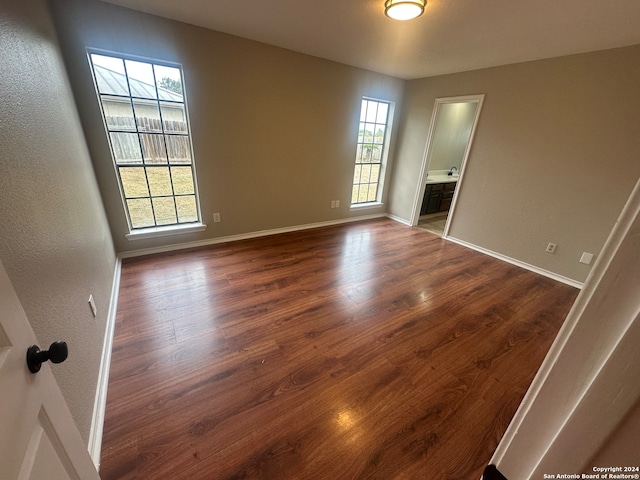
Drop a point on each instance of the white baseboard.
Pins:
(244, 236)
(99, 406)
(399, 219)
(513, 261)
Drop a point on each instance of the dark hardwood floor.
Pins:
(366, 350)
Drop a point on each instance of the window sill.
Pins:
(364, 206)
(154, 232)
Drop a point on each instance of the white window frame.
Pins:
(383, 156)
(156, 230)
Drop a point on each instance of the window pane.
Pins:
(354, 194)
(369, 130)
(182, 180)
(178, 148)
(363, 110)
(366, 174)
(169, 83)
(159, 181)
(372, 112)
(140, 213)
(373, 188)
(379, 135)
(141, 79)
(187, 211)
(362, 193)
(126, 148)
(356, 174)
(367, 152)
(383, 109)
(165, 210)
(174, 118)
(134, 182)
(376, 153)
(147, 116)
(153, 148)
(109, 75)
(375, 173)
(118, 113)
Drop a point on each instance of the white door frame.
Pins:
(424, 168)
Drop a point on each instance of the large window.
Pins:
(146, 120)
(370, 151)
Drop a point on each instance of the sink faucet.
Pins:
(451, 170)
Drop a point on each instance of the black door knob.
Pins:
(57, 353)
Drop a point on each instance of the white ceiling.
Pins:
(451, 36)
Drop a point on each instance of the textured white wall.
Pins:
(54, 238)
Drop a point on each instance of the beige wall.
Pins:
(451, 135)
(554, 158)
(273, 131)
(54, 238)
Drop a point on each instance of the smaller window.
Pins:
(370, 151)
(145, 116)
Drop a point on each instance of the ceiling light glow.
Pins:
(404, 9)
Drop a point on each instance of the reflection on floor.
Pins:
(434, 223)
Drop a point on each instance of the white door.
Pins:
(38, 437)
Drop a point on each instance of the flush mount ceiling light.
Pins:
(404, 9)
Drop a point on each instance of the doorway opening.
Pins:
(451, 132)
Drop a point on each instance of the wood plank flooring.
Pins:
(368, 350)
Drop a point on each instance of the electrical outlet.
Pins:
(92, 304)
(586, 258)
(551, 248)
(216, 218)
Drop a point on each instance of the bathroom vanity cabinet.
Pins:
(437, 197)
